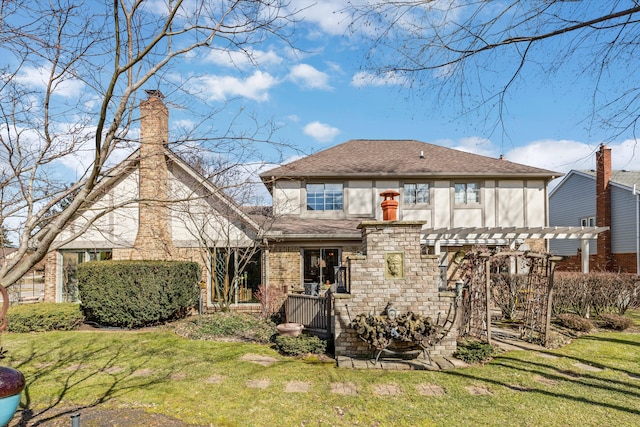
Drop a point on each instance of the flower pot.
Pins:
(11, 385)
(290, 329)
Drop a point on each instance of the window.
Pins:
(416, 193)
(320, 267)
(68, 274)
(235, 275)
(467, 193)
(324, 197)
(588, 222)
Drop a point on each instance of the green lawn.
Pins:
(206, 383)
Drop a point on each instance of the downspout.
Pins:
(265, 267)
(635, 193)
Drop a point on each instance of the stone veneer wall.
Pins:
(285, 264)
(417, 291)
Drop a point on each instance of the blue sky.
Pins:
(323, 94)
(320, 99)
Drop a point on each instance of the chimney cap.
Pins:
(154, 93)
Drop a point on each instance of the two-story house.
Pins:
(462, 198)
(154, 205)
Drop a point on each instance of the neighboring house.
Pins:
(603, 198)
(462, 198)
(155, 206)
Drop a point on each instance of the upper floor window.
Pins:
(467, 193)
(324, 197)
(416, 193)
(588, 222)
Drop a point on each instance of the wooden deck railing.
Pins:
(313, 312)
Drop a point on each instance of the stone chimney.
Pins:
(153, 241)
(603, 207)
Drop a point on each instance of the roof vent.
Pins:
(422, 154)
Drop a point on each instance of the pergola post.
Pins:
(585, 255)
(487, 271)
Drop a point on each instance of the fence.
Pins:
(314, 312)
(29, 289)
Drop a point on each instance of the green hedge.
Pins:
(137, 293)
(302, 344)
(42, 317)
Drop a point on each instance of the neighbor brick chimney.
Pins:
(603, 207)
(153, 240)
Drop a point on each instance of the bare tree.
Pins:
(226, 228)
(478, 52)
(69, 80)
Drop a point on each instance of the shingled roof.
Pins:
(401, 158)
(622, 177)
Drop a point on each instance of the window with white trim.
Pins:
(588, 221)
(415, 193)
(324, 197)
(467, 193)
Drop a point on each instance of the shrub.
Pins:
(615, 321)
(574, 322)
(137, 293)
(42, 317)
(505, 290)
(595, 292)
(242, 326)
(302, 344)
(474, 351)
(271, 299)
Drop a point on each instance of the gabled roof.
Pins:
(621, 178)
(402, 158)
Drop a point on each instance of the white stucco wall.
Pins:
(287, 198)
(359, 197)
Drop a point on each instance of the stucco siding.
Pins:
(535, 204)
(441, 204)
(489, 203)
(287, 198)
(359, 198)
(471, 217)
(510, 203)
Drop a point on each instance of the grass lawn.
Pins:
(594, 381)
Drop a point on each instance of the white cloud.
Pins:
(565, 155)
(220, 88)
(329, 15)
(555, 155)
(243, 60)
(309, 77)
(321, 132)
(364, 78)
(39, 77)
(477, 145)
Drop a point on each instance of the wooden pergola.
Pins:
(507, 236)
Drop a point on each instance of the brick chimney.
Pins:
(603, 207)
(153, 240)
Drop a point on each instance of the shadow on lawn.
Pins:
(77, 368)
(612, 340)
(552, 373)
